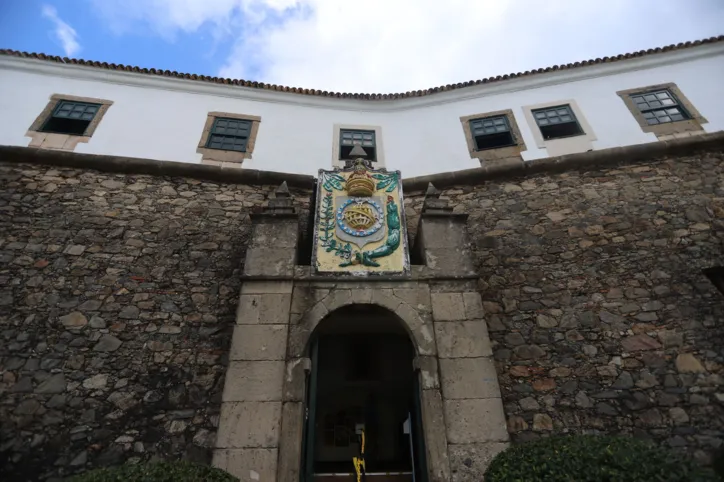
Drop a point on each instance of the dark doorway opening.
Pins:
(362, 378)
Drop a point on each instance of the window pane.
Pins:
(668, 102)
(677, 117)
(663, 95)
(652, 121)
(540, 115)
(543, 122)
(352, 137)
(231, 127)
(489, 126)
(650, 97)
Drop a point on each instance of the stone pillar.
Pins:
(442, 240)
(475, 425)
(272, 250)
(247, 444)
(475, 422)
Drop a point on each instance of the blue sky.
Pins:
(352, 45)
(22, 27)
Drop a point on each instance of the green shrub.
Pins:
(588, 458)
(156, 472)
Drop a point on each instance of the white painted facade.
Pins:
(163, 118)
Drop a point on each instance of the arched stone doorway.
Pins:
(362, 376)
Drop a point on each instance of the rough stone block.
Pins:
(248, 465)
(298, 338)
(427, 366)
(473, 306)
(290, 445)
(337, 299)
(261, 287)
(278, 234)
(295, 376)
(470, 461)
(421, 327)
(386, 299)
(253, 381)
(469, 378)
(448, 262)
(259, 342)
(305, 297)
(433, 419)
(249, 424)
(462, 339)
(315, 315)
(417, 298)
(447, 306)
(55, 141)
(362, 296)
(442, 232)
(270, 308)
(475, 421)
(270, 262)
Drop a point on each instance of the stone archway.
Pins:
(417, 326)
(418, 323)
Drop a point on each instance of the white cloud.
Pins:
(401, 45)
(64, 33)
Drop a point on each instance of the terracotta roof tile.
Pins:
(365, 96)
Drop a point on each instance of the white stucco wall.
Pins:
(162, 118)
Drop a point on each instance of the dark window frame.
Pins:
(346, 146)
(508, 130)
(570, 112)
(74, 126)
(649, 109)
(214, 134)
(557, 109)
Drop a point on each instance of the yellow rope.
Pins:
(359, 462)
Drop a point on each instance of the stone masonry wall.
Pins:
(117, 300)
(600, 316)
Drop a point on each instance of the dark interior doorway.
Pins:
(362, 377)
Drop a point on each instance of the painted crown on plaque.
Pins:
(359, 183)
